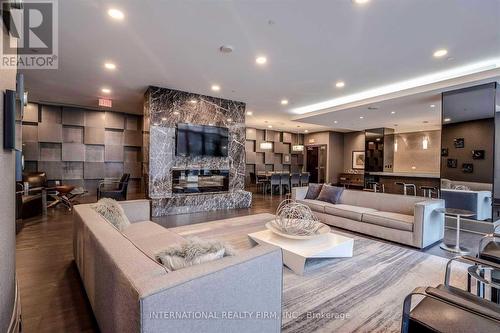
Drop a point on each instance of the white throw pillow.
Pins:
(112, 212)
(194, 251)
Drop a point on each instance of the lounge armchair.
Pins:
(114, 188)
(450, 309)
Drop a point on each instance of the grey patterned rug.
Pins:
(360, 294)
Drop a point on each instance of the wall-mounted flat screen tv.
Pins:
(199, 140)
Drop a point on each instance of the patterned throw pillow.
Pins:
(330, 194)
(194, 251)
(112, 212)
(313, 191)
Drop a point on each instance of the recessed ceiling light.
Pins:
(447, 119)
(306, 131)
(393, 112)
(270, 126)
(360, 2)
(433, 105)
(215, 87)
(440, 53)
(110, 66)
(176, 113)
(106, 90)
(284, 102)
(340, 84)
(261, 60)
(361, 117)
(335, 122)
(249, 113)
(116, 14)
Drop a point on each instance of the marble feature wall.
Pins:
(163, 110)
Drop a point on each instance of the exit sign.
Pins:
(104, 102)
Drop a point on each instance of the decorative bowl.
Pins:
(324, 229)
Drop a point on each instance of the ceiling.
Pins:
(309, 47)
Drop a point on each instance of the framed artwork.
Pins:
(478, 154)
(444, 152)
(459, 142)
(358, 160)
(452, 163)
(468, 168)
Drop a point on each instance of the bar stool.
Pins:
(376, 187)
(406, 187)
(429, 190)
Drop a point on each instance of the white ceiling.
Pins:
(309, 46)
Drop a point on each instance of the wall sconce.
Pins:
(425, 143)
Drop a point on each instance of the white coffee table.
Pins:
(296, 252)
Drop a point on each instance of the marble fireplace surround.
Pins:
(163, 110)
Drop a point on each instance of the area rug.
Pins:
(364, 293)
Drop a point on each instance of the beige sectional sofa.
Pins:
(129, 291)
(403, 219)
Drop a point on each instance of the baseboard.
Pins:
(15, 322)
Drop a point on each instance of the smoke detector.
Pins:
(226, 49)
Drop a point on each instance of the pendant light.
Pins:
(298, 146)
(266, 145)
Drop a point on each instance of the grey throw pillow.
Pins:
(313, 191)
(194, 251)
(330, 194)
(112, 212)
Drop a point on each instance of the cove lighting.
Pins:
(453, 73)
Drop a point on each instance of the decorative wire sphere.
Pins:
(294, 218)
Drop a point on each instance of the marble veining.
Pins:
(163, 110)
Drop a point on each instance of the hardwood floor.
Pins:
(52, 295)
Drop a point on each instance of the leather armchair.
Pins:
(449, 309)
(114, 189)
(32, 203)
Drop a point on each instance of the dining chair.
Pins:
(304, 179)
(285, 182)
(275, 181)
(295, 180)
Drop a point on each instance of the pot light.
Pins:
(340, 84)
(360, 2)
(361, 117)
(215, 87)
(106, 91)
(261, 60)
(269, 126)
(447, 119)
(249, 113)
(116, 14)
(440, 53)
(306, 131)
(110, 66)
(284, 102)
(393, 112)
(433, 105)
(335, 122)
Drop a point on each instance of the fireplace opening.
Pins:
(200, 181)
